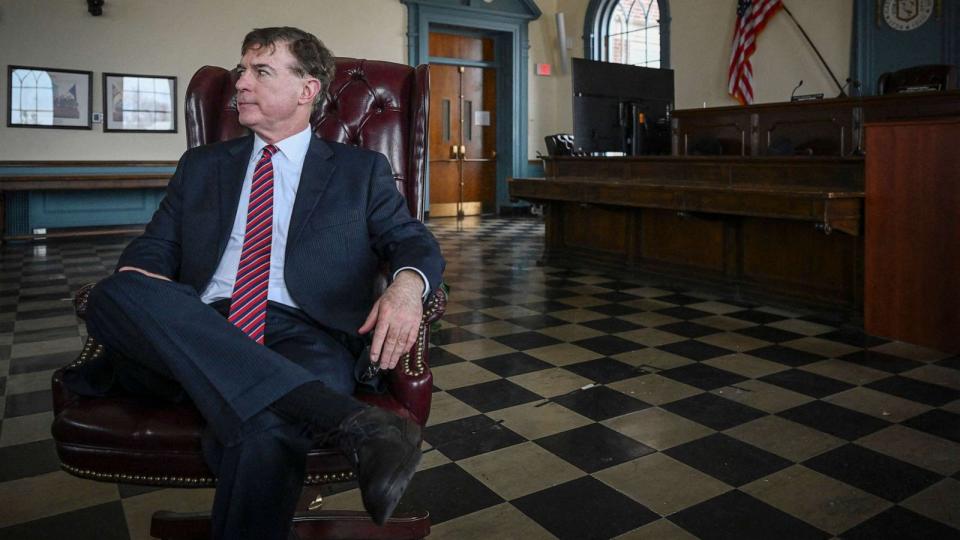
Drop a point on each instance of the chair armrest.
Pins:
(436, 305)
(411, 383)
(62, 396)
(80, 299)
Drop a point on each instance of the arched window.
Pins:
(31, 97)
(633, 32)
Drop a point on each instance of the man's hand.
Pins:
(396, 316)
(142, 271)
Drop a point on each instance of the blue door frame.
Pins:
(506, 21)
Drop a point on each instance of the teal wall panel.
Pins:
(55, 209)
(535, 169)
(17, 213)
(29, 210)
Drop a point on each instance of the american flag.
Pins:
(752, 17)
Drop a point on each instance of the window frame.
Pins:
(596, 26)
(114, 126)
(83, 80)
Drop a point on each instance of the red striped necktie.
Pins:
(248, 303)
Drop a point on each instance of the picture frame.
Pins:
(139, 103)
(39, 97)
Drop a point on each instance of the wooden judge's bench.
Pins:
(851, 204)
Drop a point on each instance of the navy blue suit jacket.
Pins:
(348, 217)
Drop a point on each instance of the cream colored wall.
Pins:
(700, 35)
(551, 98)
(174, 37)
(542, 91)
(169, 37)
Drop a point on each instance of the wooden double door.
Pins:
(463, 127)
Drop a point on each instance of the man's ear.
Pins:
(308, 94)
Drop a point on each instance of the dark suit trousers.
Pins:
(171, 345)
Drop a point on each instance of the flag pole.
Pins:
(814, 47)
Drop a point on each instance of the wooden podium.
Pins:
(912, 251)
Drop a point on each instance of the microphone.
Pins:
(851, 83)
(795, 88)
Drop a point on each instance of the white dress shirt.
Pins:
(287, 166)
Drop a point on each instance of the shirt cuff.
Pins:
(426, 284)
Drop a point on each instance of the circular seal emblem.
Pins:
(906, 15)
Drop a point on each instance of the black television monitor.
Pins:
(613, 101)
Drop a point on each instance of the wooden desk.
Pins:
(783, 227)
(829, 127)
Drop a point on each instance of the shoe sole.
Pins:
(398, 482)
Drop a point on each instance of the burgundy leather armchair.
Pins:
(378, 105)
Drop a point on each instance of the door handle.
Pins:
(455, 151)
(463, 152)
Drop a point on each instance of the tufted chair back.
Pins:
(373, 104)
(942, 75)
(561, 144)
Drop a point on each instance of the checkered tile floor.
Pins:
(568, 404)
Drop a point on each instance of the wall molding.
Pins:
(57, 194)
(97, 163)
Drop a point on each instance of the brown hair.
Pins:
(313, 57)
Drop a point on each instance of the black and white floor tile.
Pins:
(568, 404)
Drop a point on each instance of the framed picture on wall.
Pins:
(48, 98)
(139, 103)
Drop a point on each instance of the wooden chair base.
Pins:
(326, 525)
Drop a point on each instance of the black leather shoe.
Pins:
(385, 451)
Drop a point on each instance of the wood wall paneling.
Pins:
(788, 255)
(461, 47)
(912, 288)
(753, 223)
(827, 130)
(830, 127)
(596, 228)
(692, 241)
(791, 226)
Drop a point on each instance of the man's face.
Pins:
(270, 95)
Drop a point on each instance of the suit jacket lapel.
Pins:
(233, 169)
(318, 167)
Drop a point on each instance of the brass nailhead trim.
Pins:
(418, 366)
(181, 481)
(185, 481)
(328, 477)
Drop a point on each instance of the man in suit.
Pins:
(251, 294)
